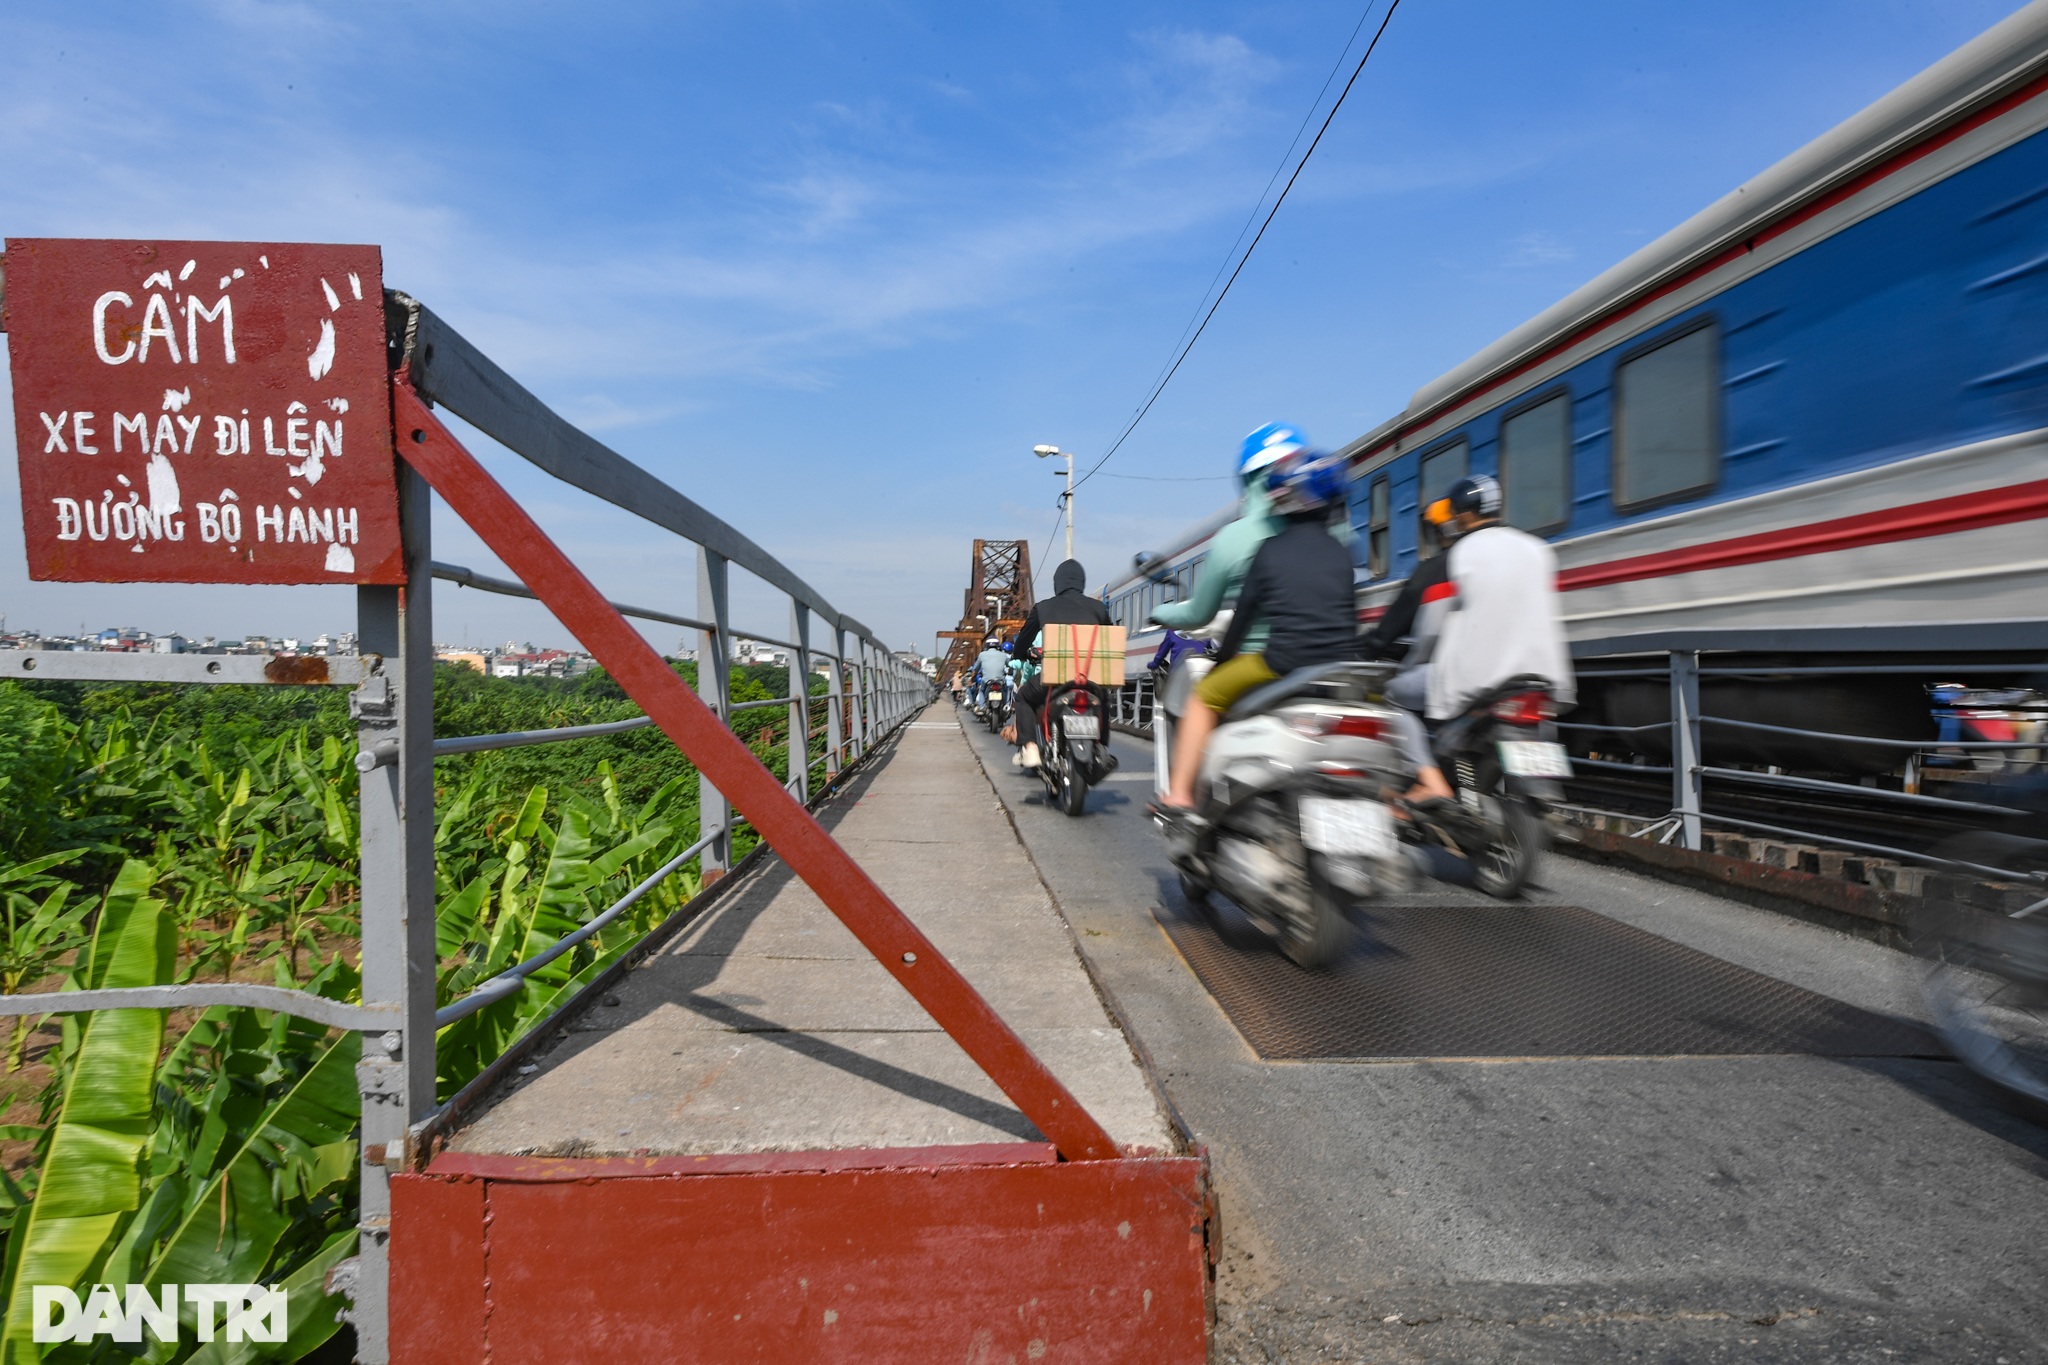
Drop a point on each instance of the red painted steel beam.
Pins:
(902, 949)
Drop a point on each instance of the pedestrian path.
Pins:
(766, 1027)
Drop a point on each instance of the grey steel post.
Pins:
(871, 704)
(880, 686)
(800, 708)
(856, 716)
(870, 709)
(714, 685)
(396, 1073)
(835, 706)
(1686, 781)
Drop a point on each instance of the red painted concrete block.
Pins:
(438, 1276)
(1085, 1261)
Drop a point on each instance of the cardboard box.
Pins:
(1083, 654)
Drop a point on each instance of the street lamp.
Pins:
(1067, 498)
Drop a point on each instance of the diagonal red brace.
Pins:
(811, 853)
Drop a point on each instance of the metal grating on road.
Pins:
(1519, 981)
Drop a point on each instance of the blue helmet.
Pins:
(1273, 441)
(1304, 481)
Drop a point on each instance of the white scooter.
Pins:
(1289, 825)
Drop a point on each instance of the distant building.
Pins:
(123, 639)
(468, 658)
(167, 644)
(750, 653)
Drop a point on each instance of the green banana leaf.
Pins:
(562, 904)
(92, 1177)
(300, 1145)
(310, 1313)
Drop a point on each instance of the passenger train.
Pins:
(1812, 417)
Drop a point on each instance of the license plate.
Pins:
(1530, 758)
(1351, 828)
(1080, 727)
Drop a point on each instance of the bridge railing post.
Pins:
(800, 706)
(857, 711)
(714, 685)
(875, 701)
(1686, 780)
(395, 1075)
(835, 707)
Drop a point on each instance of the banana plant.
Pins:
(40, 933)
(91, 1179)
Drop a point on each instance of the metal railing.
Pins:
(1682, 822)
(868, 693)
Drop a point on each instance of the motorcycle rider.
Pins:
(1230, 551)
(1417, 616)
(1070, 605)
(988, 668)
(1484, 611)
(1504, 618)
(1299, 587)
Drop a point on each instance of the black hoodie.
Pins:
(1070, 605)
(1299, 583)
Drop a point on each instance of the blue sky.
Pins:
(833, 269)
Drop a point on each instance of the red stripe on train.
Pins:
(1942, 516)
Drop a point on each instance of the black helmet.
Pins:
(1478, 493)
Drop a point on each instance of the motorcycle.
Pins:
(1986, 982)
(1290, 823)
(1502, 758)
(995, 710)
(1073, 747)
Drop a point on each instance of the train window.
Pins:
(1379, 527)
(1536, 465)
(1667, 439)
(1441, 468)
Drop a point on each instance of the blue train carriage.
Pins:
(1805, 427)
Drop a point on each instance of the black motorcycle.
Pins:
(1987, 971)
(1073, 745)
(995, 711)
(1502, 758)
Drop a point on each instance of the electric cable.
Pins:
(1174, 369)
(1278, 167)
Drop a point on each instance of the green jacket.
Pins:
(1223, 569)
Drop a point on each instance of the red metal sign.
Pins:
(202, 412)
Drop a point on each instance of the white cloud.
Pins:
(1537, 248)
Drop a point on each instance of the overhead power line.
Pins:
(1173, 369)
(1271, 180)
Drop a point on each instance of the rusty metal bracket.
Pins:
(902, 949)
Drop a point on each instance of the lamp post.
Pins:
(1067, 498)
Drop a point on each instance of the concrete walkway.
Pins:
(766, 1027)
